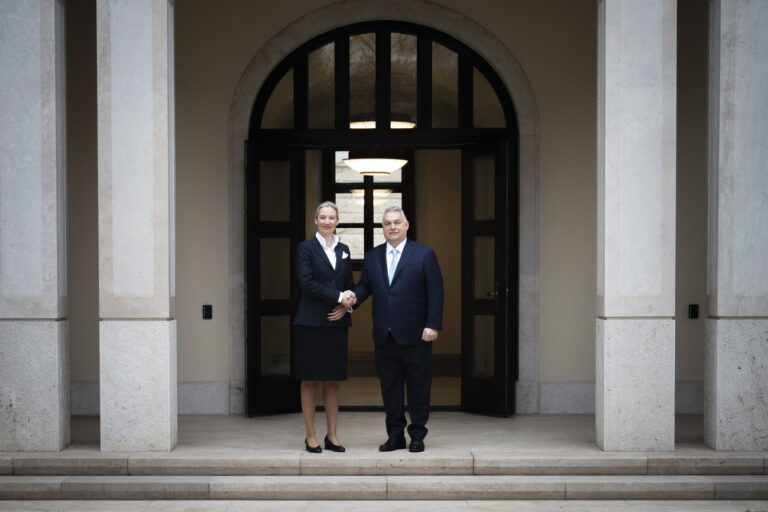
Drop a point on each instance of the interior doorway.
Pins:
(432, 201)
(459, 191)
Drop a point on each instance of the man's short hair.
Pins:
(393, 208)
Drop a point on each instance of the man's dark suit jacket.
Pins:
(320, 284)
(413, 301)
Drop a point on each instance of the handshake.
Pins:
(348, 299)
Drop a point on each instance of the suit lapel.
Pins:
(403, 257)
(339, 259)
(382, 255)
(321, 254)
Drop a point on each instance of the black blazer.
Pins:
(413, 301)
(320, 284)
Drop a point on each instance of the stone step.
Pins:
(434, 462)
(418, 487)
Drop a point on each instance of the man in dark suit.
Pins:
(407, 287)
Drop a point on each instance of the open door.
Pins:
(275, 225)
(487, 380)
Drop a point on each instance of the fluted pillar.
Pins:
(736, 367)
(34, 360)
(635, 345)
(137, 328)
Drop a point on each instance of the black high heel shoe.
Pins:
(333, 447)
(312, 449)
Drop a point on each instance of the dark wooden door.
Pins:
(275, 225)
(488, 252)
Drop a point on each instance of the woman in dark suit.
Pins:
(324, 274)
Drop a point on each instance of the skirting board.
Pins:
(212, 397)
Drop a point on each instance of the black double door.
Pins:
(275, 211)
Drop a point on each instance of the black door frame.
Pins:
(490, 394)
(341, 137)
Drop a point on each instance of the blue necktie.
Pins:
(393, 265)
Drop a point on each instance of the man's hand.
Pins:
(429, 334)
(349, 299)
(337, 313)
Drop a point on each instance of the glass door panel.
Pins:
(278, 114)
(274, 191)
(321, 83)
(484, 273)
(403, 80)
(445, 87)
(362, 80)
(483, 183)
(275, 268)
(276, 345)
(484, 346)
(486, 107)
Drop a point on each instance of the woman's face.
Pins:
(326, 221)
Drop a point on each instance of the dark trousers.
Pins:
(409, 367)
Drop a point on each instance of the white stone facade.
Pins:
(34, 350)
(736, 380)
(138, 385)
(137, 334)
(634, 395)
(635, 377)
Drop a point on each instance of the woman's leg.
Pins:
(308, 401)
(331, 403)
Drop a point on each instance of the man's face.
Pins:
(395, 228)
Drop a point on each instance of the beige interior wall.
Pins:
(555, 43)
(82, 204)
(691, 280)
(438, 223)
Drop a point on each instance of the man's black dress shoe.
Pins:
(393, 443)
(417, 445)
(312, 449)
(333, 447)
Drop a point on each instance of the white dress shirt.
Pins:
(331, 253)
(399, 250)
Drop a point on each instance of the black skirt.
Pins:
(320, 353)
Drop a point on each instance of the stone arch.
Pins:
(440, 18)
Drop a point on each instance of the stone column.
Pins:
(136, 225)
(34, 360)
(635, 363)
(736, 370)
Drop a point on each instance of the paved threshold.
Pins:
(376, 506)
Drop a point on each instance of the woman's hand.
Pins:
(337, 313)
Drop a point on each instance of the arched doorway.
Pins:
(515, 80)
(303, 120)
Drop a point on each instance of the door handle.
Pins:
(494, 295)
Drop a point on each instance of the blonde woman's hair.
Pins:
(326, 204)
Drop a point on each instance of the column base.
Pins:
(736, 385)
(138, 396)
(527, 397)
(635, 385)
(34, 385)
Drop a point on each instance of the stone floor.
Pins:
(364, 431)
(451, 435)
